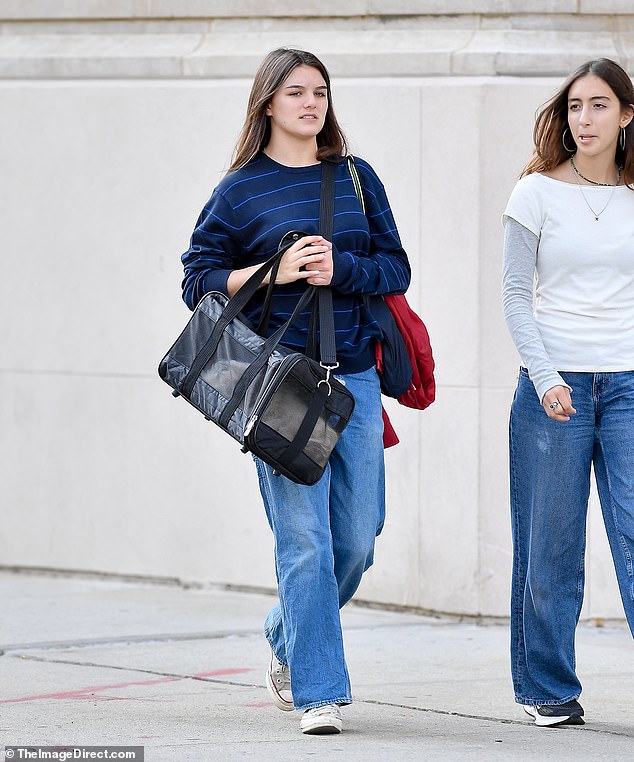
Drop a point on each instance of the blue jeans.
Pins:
(550, 484)
(324, 541)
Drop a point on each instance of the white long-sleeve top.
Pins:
(568, 282)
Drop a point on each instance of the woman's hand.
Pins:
(322, 272)
(310, 259)
(557, 403)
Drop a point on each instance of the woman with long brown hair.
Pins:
(569, 226)
(324, 534)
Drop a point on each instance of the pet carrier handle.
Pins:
(209, 348)
(233, 307)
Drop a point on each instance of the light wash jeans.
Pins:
(324, 541)
(550, 484)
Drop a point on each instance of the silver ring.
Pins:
(554, 404)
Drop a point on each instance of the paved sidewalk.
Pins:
(96, 661)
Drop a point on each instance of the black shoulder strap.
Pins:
(327, 344)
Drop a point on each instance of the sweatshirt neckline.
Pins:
(290, 170)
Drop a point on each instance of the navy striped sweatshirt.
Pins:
(249, 212)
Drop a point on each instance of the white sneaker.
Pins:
(322, 720)
(278, 682)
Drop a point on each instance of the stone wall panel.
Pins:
(116, 121)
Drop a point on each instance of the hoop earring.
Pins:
(563, 140)
(622, 139)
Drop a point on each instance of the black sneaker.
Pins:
(548, 715)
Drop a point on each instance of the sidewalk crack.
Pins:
(485, 718)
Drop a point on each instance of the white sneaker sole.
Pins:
(279, 701)
(545, 722)
(320, 726)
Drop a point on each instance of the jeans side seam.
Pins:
(517, 607)
(622, 543)
(580, 586)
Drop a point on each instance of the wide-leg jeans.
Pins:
(550, 464)
(324, 541)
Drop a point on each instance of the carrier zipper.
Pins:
(250, 424)
(283, 368)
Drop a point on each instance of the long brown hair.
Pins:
(256, 131)
(552, 121)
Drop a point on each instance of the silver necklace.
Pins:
(595, 214)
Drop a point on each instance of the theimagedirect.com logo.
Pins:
(66, 753)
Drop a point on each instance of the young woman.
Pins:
(570, 221)
(324, 534)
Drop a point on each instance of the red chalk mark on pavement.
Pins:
(86, 693)
(261, 705)
(220, 672)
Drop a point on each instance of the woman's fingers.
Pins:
(557, 403)
(302, 243)
(305, 260)
(310, 259)
(322, 270)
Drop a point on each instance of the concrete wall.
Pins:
(116, 121)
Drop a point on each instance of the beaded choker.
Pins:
(594, 182)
